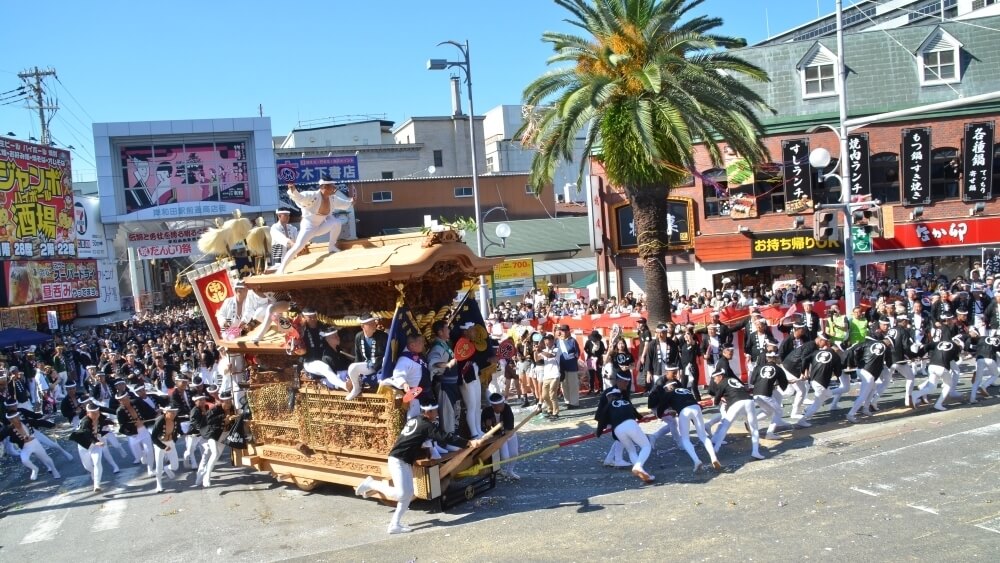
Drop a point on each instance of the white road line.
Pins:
(48, 525)
(110, 516)
(923, 508)
(985, 430)
(865, 492)
(988, 529)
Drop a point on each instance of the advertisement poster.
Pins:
(90, 241)
(36, 201)
(180, 173)
(740, 182)
(916, 160)
(50, 281)
(304, 171)
(513, 278)
(977, 149)
(165, 244)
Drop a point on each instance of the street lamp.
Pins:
(502, 231)
(465, 65)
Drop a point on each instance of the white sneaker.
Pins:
(757, 455)
(34, 475)
(513, 476)
(170, 473)
(159, 489)
(771, 436)
(697, 467)
(400, 529)
(803, 423)
(850, 418)
(365, 486)
(56, 475)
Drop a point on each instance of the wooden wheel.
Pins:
(305, 484)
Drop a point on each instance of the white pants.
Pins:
(210, 452)
(192, 443)
(744, 408)
(822, 394)
(508, 450)
(170, 456)
(935, 374)
(632, 437)
(142, 447)
(984, 367)
(34, 447)
(906, 370)
(310, 228)
(337, 379)
(47, 442)
(797, 386)
(865, 394)
(691, 415)
(91, 460)
(771, 408)
(884, 382)
(472, 396)
(401, 489)
(669, 426)
(571, 388)
(111, 439)
(449, 417)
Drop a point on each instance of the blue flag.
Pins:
(403, 326)
(469, 311)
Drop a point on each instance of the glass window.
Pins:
(714, 192)
(387, 175)
(770, 188)
(528, 190)
(885, 177)
(939, 65)
(820, 79)
(438, 158)
(463, 192)
(996, 166)
(945, 169)
(378, 197)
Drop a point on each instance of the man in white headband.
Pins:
(318, 218)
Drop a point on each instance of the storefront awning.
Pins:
(567, 266)
(583, 282)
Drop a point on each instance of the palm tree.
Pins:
(649, 87)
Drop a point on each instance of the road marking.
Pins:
(48, 525)
(110, 516)
(923, 508)
(994, 525)
(984, 430)
(865, 492)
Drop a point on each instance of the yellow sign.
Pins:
(520, 268)
(216, 292)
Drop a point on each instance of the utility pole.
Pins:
(33, 80)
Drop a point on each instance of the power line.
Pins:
(72, 97)
(77, 117)
(84, 144)
(81, 157)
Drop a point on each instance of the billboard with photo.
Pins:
(164, 173)
(36, 201)
(43, 282)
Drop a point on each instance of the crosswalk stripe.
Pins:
(110, 516)
(47, 526)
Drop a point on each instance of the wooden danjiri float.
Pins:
(302, 432)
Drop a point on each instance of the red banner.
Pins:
(50, 281)
(932, 234)
(211, 291)
(36, 201)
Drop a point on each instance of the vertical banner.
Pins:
(740, 182)
(977, 153)
(915, 158)
(53, 319)
(859, 162)
(211, 290)
(991, 261)
(797, 176)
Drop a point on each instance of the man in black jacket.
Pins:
(369, 349)
(409, 446)
(165, 433)
(738, 403)
(620, 414)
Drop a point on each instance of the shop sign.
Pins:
(36, 201)
(793, 243)
(916, 160)
(513, 278)
(680, 225)
(166, 251)
(157, 238)
(859, 164)
(930, 234)
(977, 149)
(50, 281)
(861, 241)
(797, 175)
(740, 180)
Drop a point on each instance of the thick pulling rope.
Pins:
(479, 467)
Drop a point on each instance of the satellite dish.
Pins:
(503, 230)
(431, 169)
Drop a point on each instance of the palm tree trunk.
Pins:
(649, 208)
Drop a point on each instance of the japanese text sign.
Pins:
(794, 243)
(929, 234)
(309, 170)
(977, 150)
(859, 164)
(36, 201)
(798, 176)
(50, 281)
(915, 159)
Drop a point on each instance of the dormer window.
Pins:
(818, 72)
(940, 57)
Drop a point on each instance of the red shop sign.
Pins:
(932, 234)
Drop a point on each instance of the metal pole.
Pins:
(850, 265)
(475, 178)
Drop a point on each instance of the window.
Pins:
(771, 187)
(528, 190)
(438, 158)
(381, 197)
(489, 164)
(939, 58)
(715, 192)
(885, 177)
(945, 169)
(463, 192)
(818, 72)
(387, 175)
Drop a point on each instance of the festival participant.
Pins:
(211, 433)
(654, 402)
(370, 344)
(594, 350)
(870, 368)
(901, 352)
(739, 404)
(70, 407)
(408, 447)
(688, 355)
(90, 444)
(318, 217)
(283, 235)
(499, 412)
(569, 366)
(619, 413)
(164, 434)
(660, 352)
(333, 365)
(757, 341)
(23, 436)
(247, 306)
(37, 422)
(193, 442)
(986, 348)
(441, 360)
(687, 413)
(810, 320)
(944, 357)
(793, 352)
(411, 371)
(133, 418)
(767, 381)
(822, 366)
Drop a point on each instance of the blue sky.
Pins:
(302, 60)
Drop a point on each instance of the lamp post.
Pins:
(464, 64)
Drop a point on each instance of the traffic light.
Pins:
(825, 226)
(870, 219)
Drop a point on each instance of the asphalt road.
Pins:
(921, 485)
